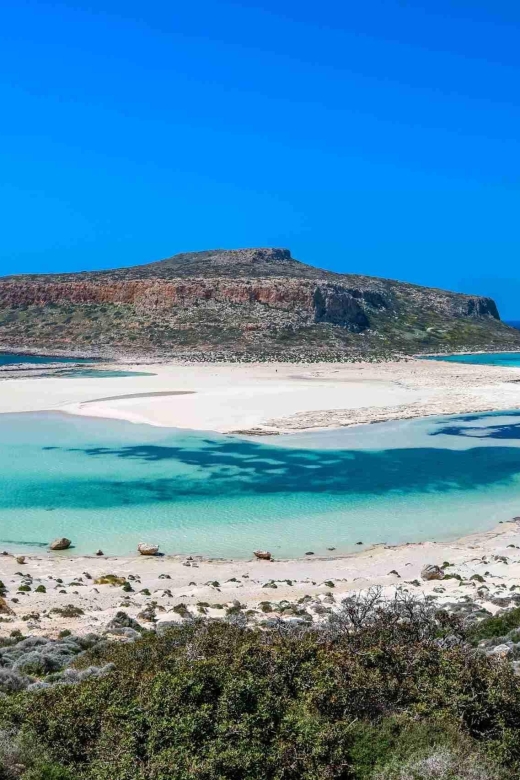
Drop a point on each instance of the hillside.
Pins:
(248, 304)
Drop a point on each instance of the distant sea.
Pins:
(74, 372)
(510, 359)
(110, 484)
(11, 359)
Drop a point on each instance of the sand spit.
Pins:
(272, 398)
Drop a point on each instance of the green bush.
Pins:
(375, 688)
(499, 625)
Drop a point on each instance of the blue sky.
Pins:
(378, 137)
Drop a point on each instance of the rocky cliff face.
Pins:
(322, 301)
(223, 299)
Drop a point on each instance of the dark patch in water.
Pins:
(232, 467)
(184, 467)
(504, 431)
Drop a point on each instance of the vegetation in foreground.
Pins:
(382, 691)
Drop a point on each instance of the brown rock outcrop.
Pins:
(324, 301)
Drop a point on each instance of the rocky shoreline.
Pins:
(45, 594)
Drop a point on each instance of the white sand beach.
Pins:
(271, 398)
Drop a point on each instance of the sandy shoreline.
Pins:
(484, 571)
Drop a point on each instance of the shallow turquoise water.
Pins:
(484, 358)
(111, 484)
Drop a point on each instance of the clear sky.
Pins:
(370, 136)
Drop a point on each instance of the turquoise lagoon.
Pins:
(111, 484)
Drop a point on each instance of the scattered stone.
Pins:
(432, 572)
(309, 553)
(62, 543)
(144, 548)
(99, 552)
(264, 555)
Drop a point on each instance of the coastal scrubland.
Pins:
(382, 690)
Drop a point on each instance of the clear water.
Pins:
(99, 373)
(111, 484)
(483, 358)
(10, 359)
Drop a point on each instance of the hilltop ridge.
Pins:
(254, 303)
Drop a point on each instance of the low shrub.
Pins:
(378, 692)
(110, 579)
(498, 625)
(68, 611)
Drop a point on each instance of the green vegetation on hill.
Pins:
(380, 692)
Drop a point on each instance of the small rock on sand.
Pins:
(147, 549)
(62, 543)
(432, 572)
(264, 555)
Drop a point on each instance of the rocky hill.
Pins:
(249, 304)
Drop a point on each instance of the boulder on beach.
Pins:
(147, 549)
(62, 543)
(432, 572)
(264, 555)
